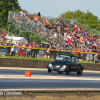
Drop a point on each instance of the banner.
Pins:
(41, 53)
(89, 57)
(23, 52)
(2, 51)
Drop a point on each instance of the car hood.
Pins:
(59, 62)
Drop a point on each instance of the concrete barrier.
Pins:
(28, 63)
(10, 62)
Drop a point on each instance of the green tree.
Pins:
(5, 7)
(85, 18)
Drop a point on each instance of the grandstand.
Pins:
(15, 19)
(78, 36)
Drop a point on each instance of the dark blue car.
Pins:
(65, 62)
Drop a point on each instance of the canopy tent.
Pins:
(14, 39)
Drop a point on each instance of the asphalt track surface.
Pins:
(14, 78)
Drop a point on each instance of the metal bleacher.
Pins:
(37, 30)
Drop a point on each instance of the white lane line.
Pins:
(48, 77)
(17, 68)
(41, 69)
(54, 89)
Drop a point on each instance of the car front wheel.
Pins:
(67, 72)
(79, 72)
(49, 71)
(60, 72)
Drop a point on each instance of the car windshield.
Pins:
(63, 57)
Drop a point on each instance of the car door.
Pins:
(77, 61)
(73, 64)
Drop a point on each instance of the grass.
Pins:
(40, 59)
(27, 58)
(86, 62)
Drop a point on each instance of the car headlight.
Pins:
(63, 67)
(50, 65)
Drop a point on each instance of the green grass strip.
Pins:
(33, 58)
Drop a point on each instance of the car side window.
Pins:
(73, 59)
(77, 59)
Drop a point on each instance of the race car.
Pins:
(65, 62)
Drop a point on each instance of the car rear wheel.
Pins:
(79, 72)
(49, 71)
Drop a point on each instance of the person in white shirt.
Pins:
(22, 14)
(12, 50)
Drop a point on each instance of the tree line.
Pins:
(85, 18)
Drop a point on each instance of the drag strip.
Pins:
(38, 71)
(46, 83)
(14, 78)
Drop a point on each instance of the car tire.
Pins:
(67, 72)
(79, 72)
(49, 71)
(60, 72)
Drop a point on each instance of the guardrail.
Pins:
(20, 51)
(48, 49)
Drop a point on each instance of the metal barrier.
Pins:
(43, 53)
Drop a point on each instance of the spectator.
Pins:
(12, 50)
(76, 29)
(61, 18)
(96, 57)
(39, 15)
(84, 55)
(77, 52)
(22, 15)
(72, 22)
(47, 53)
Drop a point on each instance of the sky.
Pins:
(54, 8)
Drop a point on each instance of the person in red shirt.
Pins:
(4, 34)
(92, 38)
(69, 41)
(76, 28)
(77, 54)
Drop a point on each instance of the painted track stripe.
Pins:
(41, 69)
(48, 77)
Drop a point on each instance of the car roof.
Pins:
(68, 54)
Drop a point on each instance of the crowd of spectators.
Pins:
(69, 36)
(3, 38)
